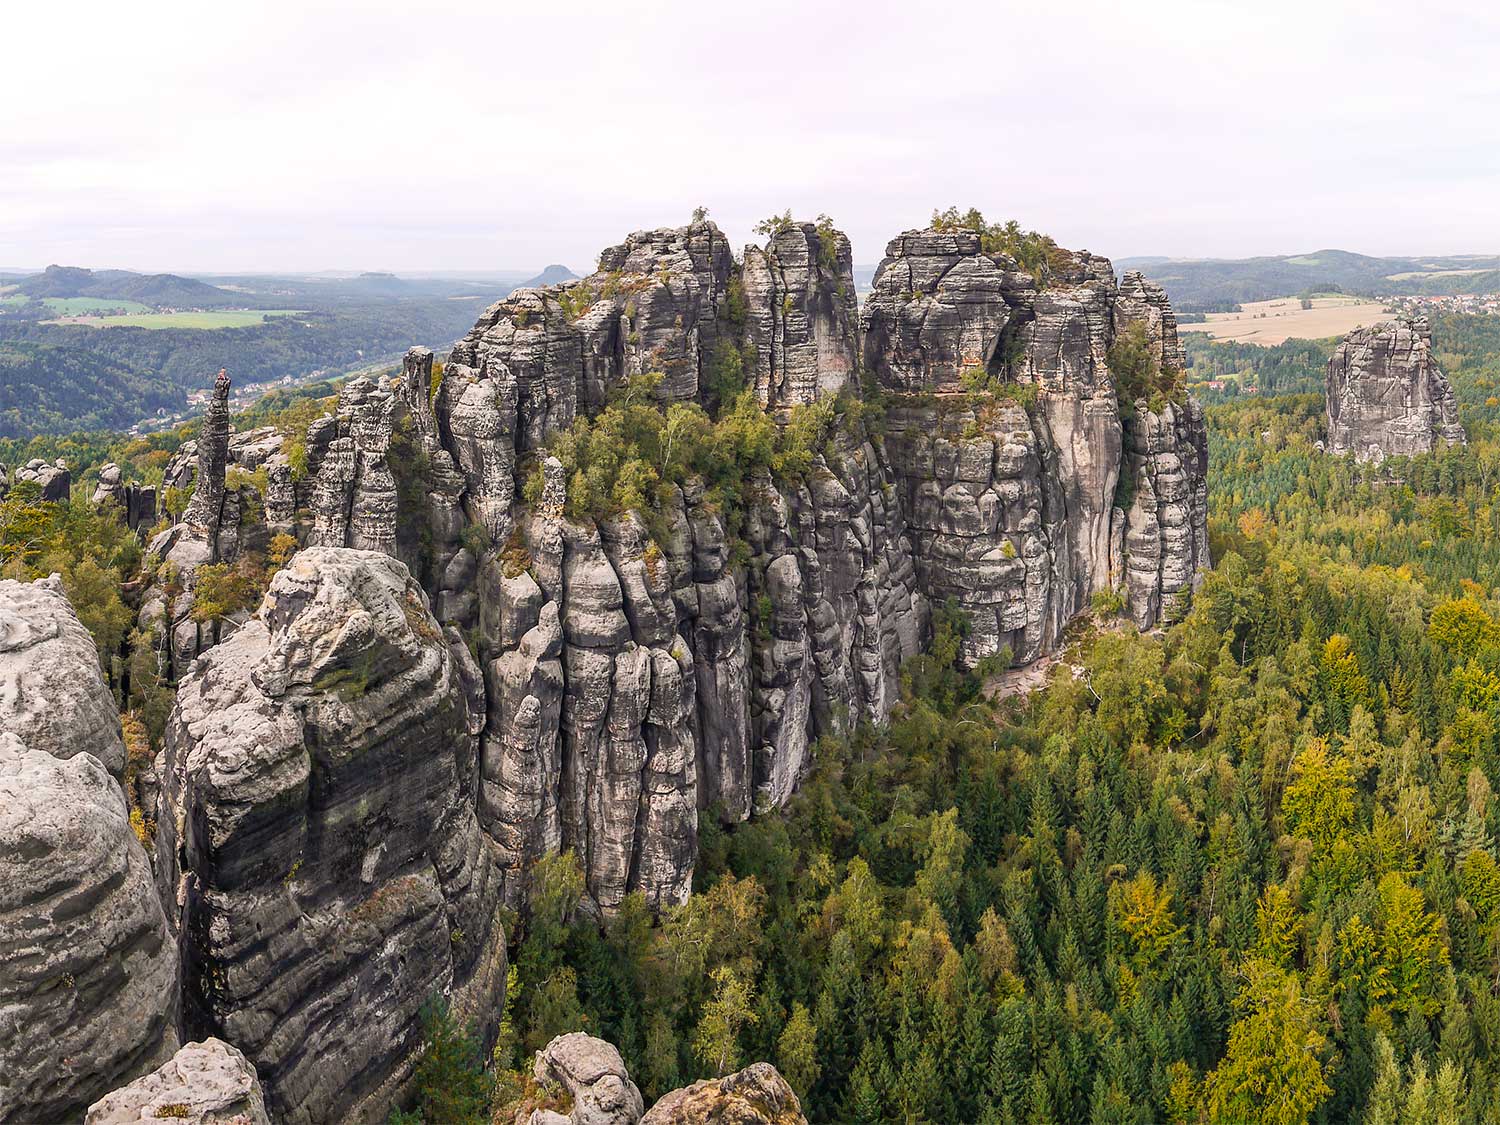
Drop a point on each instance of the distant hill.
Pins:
(1216, 284)
(552, 275)
(123, 285)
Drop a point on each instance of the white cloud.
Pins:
(311, 135)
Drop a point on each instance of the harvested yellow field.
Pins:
(1283, 318)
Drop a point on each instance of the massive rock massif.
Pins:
(632, 678)
(1387, 397)
(318, 846)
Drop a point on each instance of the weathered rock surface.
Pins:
(135, 503)
(52, 690)
(1013, 502)
(594, 1077)
(354, 490)
(207, 1083)
(801, 315)
(318, 845)
(88, 974)
(1387, 397)
(757, 1095)
(54, 480)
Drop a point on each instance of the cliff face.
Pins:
(1386, 394)
(318, 846)
(632, 682)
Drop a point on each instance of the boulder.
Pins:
(593, 1075)
(207, 1083)
(757, 1095)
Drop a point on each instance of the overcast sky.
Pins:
(479, 136)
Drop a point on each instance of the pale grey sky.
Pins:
(470, 136)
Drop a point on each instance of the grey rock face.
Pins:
(52, 690)
(135, 503)
(317, 838)
(88, 991)
(594, 1076)
(206, 509)
(1013, 510)
(55, 481)
(207, 1083)
(799, 294)
(1386, 394)
(354, 491)
(757, 1095)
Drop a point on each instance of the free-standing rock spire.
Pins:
(1386, 394)
(206, 508)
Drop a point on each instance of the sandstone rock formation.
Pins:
(757, 1095)
(89, 982)
(1386, 394)
(136, 503)
(801, 314)
(354, 491)
(318, 846)
(54, 480)
(52, 690)
(1014, 505)
(208, 1083)
(594, 1078)
(632, 681)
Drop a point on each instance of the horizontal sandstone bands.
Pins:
(319, 836)
(89, 981)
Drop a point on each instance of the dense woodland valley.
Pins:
(1237, 866)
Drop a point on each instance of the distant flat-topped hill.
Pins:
(552, 275)
(1217, 284)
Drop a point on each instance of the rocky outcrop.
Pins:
(587, 1077)
(1387, 397)
(52, 690)
(89, 981)
(208, 1083)
(592, 1075)
(318, 845)
(757, 1095)
(1013, 495)
(54, 479)
(354, 490)
(800, 315)
(134, 503)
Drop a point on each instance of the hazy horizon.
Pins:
(459, 140)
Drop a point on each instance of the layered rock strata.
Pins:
(633, 681)
(208, 1083)
(318, 845)
(354, 490)
(757, 1095)
(134, 503)
(1014, 495)
(88, 975)
(52, 690)
(1387, 396)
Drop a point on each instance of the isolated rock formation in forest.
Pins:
(318, 846)
(1387, 397)
(89, 983)
(208, 1083)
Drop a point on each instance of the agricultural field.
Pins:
(216, 318)
(1268, 323)
(90, 306)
